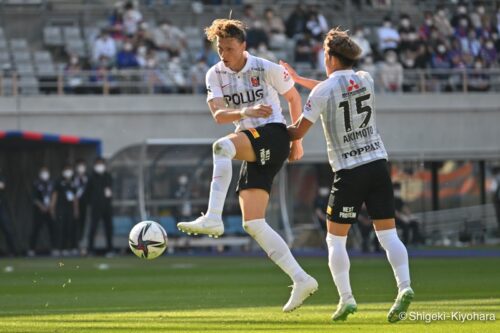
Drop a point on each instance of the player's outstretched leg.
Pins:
(339, 264)
(211, 224)
(398, 258)
(271, 242)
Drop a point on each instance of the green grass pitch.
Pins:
(233, 294)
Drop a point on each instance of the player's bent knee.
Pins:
(224, 147)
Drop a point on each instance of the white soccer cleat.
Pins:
(300, 292)
(203, 225)
(401, 305)
(345, 309)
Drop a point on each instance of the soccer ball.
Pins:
(147, 239)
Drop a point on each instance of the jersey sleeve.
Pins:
(314, 106)
(214, 89)
(279, 78)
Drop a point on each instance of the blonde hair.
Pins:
(338, 43)
(226, 28)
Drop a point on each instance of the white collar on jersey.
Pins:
(342, 72)
(245, 68)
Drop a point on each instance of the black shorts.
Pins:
(271, 144)
(369, 183)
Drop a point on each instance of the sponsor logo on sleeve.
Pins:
(286, 76)
(255, 81)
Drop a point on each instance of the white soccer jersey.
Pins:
(346, 103)
(259, 82)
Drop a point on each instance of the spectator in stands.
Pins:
(126, 58)
(249, 16)
(479, 19)
(80, 182)
(102, 79)
(5, 222)
(64, 211)
(471, 44)
(274, 27)
(144, 36)
(263, 52)
(184, 210)
(489, 54)
(74, 78)
(391, 73)
(170, 38)
(427, 26)
(422, 57)
(198, 72)
(116, 22)
(460, 17)
(410, 78)
(304, 49)
(456, 54)
(388, 37)
(441, 59)
(256, 35)
(105, 46)
(442, 23)
(42, 193)
(369, 66)
(404, 219)
(131, 19)
(141, 55)
(316, 24)
(408, 34)
(100, 194)
(478, 80)
(296, 22)
(208, 53)
(177, 76)
(360, 39)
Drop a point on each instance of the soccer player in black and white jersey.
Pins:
(245, 90)
(345, 101)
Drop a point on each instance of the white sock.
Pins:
(339, 264)
(397, 255)
(275, 247)
(223, 153)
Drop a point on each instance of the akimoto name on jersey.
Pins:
(365, 149)
(365, 132)
(249, 96)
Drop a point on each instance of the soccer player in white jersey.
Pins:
(345, 101)
(244, 89)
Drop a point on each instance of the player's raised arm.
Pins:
(303, 81)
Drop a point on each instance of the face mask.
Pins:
(462, 10)
(428, 22)
(391, 59)
(44, 175)
(81, 169)
(73, 60)
(183, 180)
(489, 45)
(100, 168)
(480, 10)
(441, 13)
(463, 23)
(142, 50)
(127, 47)
(410, 62)
(68, 173)
(405, 23)
(151, 64)
(387, 24)
(441, 49)
(478, 65)
(165, 27)
(397, 193)
(144, 26)
(2, 185)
